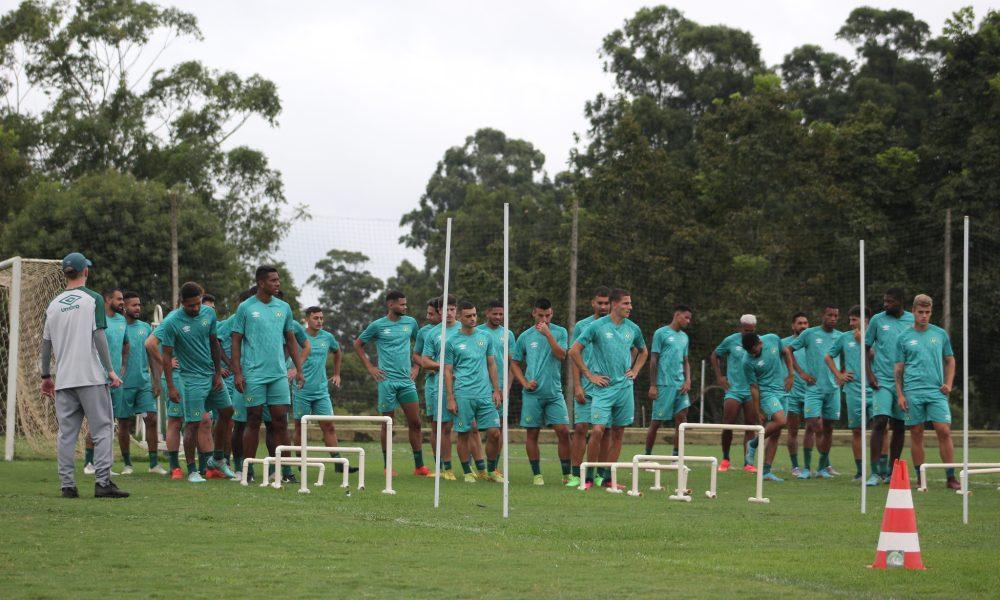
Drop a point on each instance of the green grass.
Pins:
(220, 539)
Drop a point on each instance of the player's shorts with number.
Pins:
(239, 406)
(199, 397)
(430, 402)
(794, 404)
(312, 404)
(771, 404)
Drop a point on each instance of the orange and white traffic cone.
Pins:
(898, 545)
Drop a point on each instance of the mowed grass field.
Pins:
(220, 539)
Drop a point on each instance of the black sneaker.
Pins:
(339, 468)
(109, 491)
(290, 478)
(70, 492)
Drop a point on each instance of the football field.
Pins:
(221, 539)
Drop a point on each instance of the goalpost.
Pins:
(26, 285)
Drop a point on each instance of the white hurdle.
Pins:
(303, 454)
(648, 466)
(637, 463)
(682, 474)
(321, 462)
(925, 466)
(280, 460)
(266, 462)
(613, 465)
(967, 472)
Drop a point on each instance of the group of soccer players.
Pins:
(221, 379)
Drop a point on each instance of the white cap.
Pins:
(748, 320)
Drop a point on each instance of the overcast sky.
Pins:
(374, 92)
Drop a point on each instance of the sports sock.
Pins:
(383, 455)
(491, 465)
(808, 452)
(286, 470)
(153, 458)
(127, 458)
(536, 467)
(857, 462)
(480, 465)
(649, 450)
(418, 459)
(795, 459)
(565, 466)
(949, 473)
(725, 455)
(202, 462)
(575, 470)
(767, 468)
(175, 461)
(192, 468)
(466, 467)
(227, 458)
(875, 467)
(675, 451)
(238, 461)
(824, 460)
(446, 465)
(218, 455)
(88, 456)
(249, 472)
(883, 464)
(590, 474)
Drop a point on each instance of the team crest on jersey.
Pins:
(204, 322)
(279, 314)
(480, 343)
(627, 335)
(934, 341)
(406, 328)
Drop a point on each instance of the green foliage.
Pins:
(349, 293)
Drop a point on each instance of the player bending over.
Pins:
(768, 371)
(671, 379)
(737, 390)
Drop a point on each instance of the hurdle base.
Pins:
(710, 495)
(389, 492)
(304, 490)
(680, 498)
(757, 500)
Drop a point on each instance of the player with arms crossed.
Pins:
(924, 373)
(138, 390)
(612, 337)
(536, 363)
(671, 379)
(392, 335)
(470, 373)
(849, 346)
(430, 355)
(768, 371)
(737, 390)
(795, 402)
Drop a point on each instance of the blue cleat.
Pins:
(824, 474)
(751, 454)
(772, 477)
(804, 474)
(873, 481)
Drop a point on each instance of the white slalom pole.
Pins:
(440, 374)
(506, 358)
(864, 380)
(14, 339)
(965, 373)
(701, 403)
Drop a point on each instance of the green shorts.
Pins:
(175, 410)
(199, 398)
(615, 406)
(794, 405)
(924, 406)
(741, 396)
(822, 403)
(854, 409)
(771, 404)
(118, 404)
(542, 412)
(239, 406)
(140, 400)
(884, 403)
(668, 403)
(430, 405)
(274, 392)
(393, 392)
(476, 410)
(305, 404)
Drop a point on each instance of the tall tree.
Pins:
(348, 291)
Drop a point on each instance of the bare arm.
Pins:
(293, 351)
(518, 371)
(949, 374)
(576, 353)
(237, 350)
(449, 386)
(720, 378)
(491, 364)
(640, 361)
(168, 372)
(789, 379)
(125, 353)
(654, 362)
(841, 376)
(359, 349)
(898, 373)
(338, 356)
(798, 369)
(686, 386)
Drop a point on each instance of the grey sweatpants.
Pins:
(72, 405)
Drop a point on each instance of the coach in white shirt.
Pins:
(74, 331)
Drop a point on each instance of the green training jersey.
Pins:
(115, 333)
(190, 337)
(880, 335)
(392, 343)
(799, 387)
(848, 349)
(421, 339)
(533, 348)
(587, 353)
(263, 326)
(732, 350)
(314, 365)
(816, 342)
(612, 346)
(300, 337)
(467, 354)
(224, 331)
(672, 348)
(767, 371)
(432, 350)
(922, 354)
(137, 376)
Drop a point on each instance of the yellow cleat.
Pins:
(469, 478)
(538, 480)
(448, 475)
(495, 477)
(482, 475)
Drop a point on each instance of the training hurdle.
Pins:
(304, 452)
(321, 462)
(614, 466)
(966, 473)
(925, 466)
(267, 461)
(638, 464)
(682, 474)
(648, 466)
(280, 460)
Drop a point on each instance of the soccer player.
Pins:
(612, 338)
(795, 401)
(190, 332)
(768, 372)
(74, 332)
(138, 390)
(430, 354)
(470, 373)
(822, 402)
(737, 397)
(392, 335)
(924, 373)
(600, 303)
(849, 346)
(261, 331)
(493, 326)
(175, 413)
(536, 363)
(880, 337)
(114, 305)
(671, 379)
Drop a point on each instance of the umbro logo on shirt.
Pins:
(387, 331)
(460, 347)
(852, 344)
(255, 314)
(934, 340)
(885, 328)
(608, 335)
(70, 300)
(913, 342)
(670, 339)
(534, 344)
(187, 329)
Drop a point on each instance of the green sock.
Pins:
(286, 470)
(383, 455)
(606, 472)
(565, 466)
(536, 467)
(127, 458)
(88, 456)
(239, 463)
(466, 467)
(480, 465)
(857, 461)
(590, 473)
(418, 458)
(824, 460)
(809, 457)
(795, 459)
(725, 455)
(949, 473)
(202, 462)
(153, 458)
(175, 461)
(218, 455)
(875, 467)
(674, 453)
(491, 465)
(883, 464)
(227, 458)
(767, 467)
(649, 450)
(192, 468)
(575, 470)
(249, 472)
(335, 455)
(446, 465)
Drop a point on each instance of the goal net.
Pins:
(26, 286)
